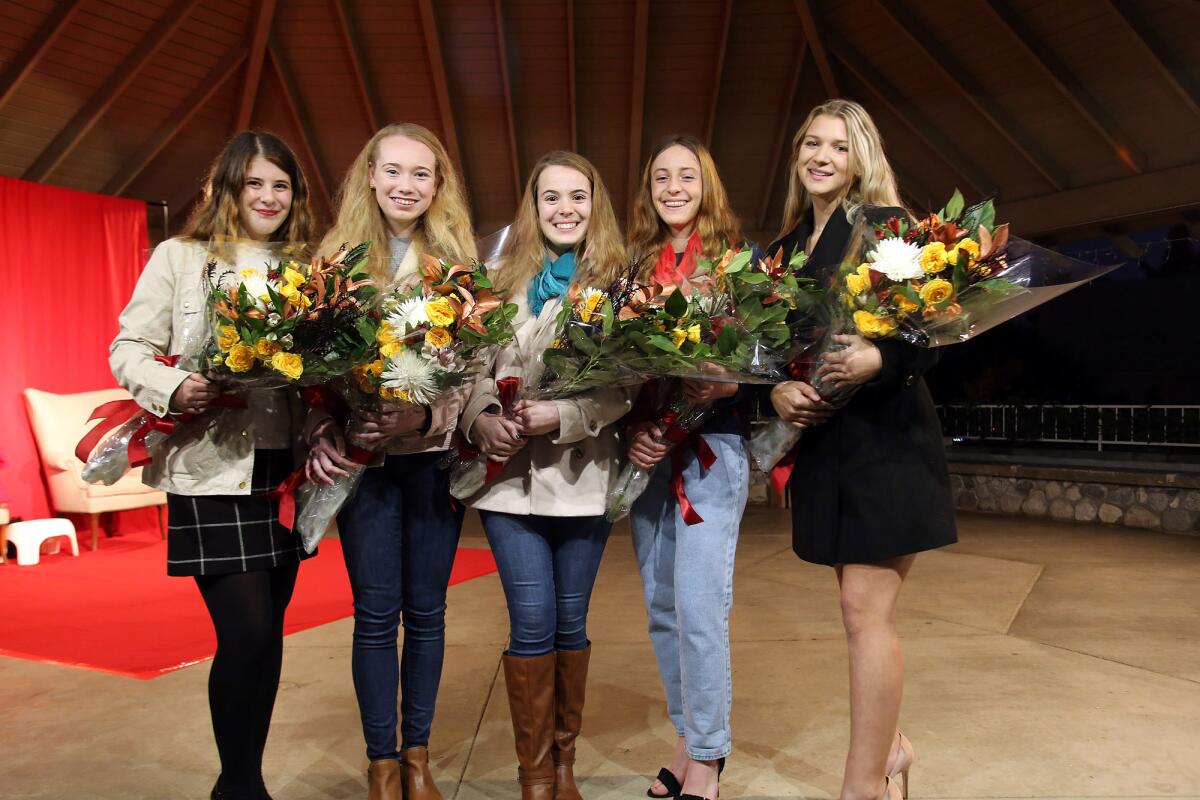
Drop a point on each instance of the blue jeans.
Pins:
(399, 535)
(548, 567)
(687, 577)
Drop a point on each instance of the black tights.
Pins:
(247, 613)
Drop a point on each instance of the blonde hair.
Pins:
(715, 222)
(872, 182)
(217, 216)
(444, 230)
(601, 255)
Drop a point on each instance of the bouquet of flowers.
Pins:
(429, 338)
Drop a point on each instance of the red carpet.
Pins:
(116, 610)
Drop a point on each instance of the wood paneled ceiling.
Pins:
(1080, 115)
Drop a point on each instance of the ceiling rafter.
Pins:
(1069, 85)
(718, 71)
(572, 100)
(781, 134)
(637, 99)
(437, 70)
(180, 117)
(960, 78)
(354, 51)
(103, 98)
(506, 90)
(25, 61)
(291, 99)
(1169, 68)
(259, 33)
(816, 43)
(891, 97)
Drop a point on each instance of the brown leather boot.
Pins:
(570, 679)
(383, 780)
(415, 775)
(530, 684)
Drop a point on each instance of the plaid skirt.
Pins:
(219, 534)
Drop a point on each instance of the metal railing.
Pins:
(1099, 425)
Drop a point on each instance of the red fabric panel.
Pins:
(68, 264)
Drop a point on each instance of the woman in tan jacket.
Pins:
(399, 532)
(216, 468)
(544, 514)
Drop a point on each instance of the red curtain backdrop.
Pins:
(68, 264)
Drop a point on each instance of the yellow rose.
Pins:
(227, 337)
(438, 338)
(385, 333)
(678, 335)
(693, 334)
(904, 306)
(968, 246)
(288, 364)
(390, 349)
(440, 312)
(856, 283)
(289, 293)
(240, 358)
(936, 291)
(265, 349)
(873, 327)
(292, 278)
(865, 271)
(933, 258)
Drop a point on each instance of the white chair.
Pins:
(59, 422)
(27, 537)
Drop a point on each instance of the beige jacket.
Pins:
(563, 474)
(213, 454)
(445, 410)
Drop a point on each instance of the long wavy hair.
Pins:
(217, 218)
(444, 230)
(716, 223)
(600, 255)
(872, 182)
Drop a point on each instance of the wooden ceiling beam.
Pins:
(637, 109)
(180, 117)
(506, 90)
(24, 62)
(1069, 85)
(291, 99)
(354, 51)
(816, 43)
(259, 33)
(891, 98)
(571, 87)
(781, 134)
(1169, 69)
(718, 70)
(437, 70)
(103, 98)
(960, 78)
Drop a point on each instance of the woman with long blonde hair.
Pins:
(400, 530)
(681, 214)
(544, 514)
(871, 488)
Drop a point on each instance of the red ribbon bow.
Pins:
(676, 437)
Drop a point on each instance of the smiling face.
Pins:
(676, 186)
(404, 177)
(823, 162)
(564, 206)
(266, 199)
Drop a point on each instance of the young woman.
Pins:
(544, 515)
(224, 531)
(871, 487)
(399, 532)
(681, 212)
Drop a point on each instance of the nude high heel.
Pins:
(904, 760)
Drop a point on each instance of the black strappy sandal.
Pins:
(667, 779)
(681, 796)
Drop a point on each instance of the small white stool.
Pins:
(27, 537)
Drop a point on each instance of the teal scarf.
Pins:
(551, 282)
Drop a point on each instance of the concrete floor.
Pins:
(1044, 660)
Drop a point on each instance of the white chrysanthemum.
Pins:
(408, 372)
(713, 304)
(897, 259)
(256, 284)
(408, 315)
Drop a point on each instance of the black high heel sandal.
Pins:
(667, 779)
(681, 796)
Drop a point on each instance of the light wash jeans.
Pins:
(687, 576)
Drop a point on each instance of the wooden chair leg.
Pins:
(95, 520)
(3, 544)
(162, 520)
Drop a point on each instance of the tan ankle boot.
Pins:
(530, 683)
(570, 680)
(383, 780)
(415, 775)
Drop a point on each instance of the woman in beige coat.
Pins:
(544, 514)
(217, 467)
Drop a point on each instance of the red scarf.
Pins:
(668, 273)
